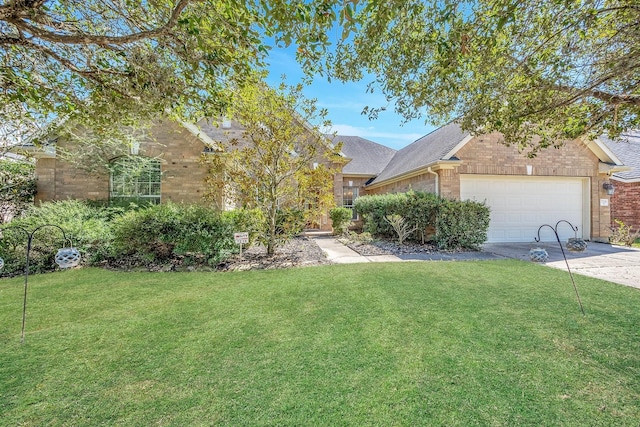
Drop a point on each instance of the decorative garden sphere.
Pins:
(67, 257)
(538, 255)
(576, 244)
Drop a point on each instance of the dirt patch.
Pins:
(298, 252)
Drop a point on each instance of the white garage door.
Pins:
(521, 204)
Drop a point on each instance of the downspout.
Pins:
(437, 180)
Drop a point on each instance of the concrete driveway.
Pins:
(616, 264)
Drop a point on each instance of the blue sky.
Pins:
(345, 102)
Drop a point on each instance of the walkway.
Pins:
(603, 261)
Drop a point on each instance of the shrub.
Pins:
(400, 226)
(340, 219)
(417, 208)
(455, 224)
(159, 233)
(250, 220)
(623, 234)
(461, 224)
(17, 188)
(86, 227)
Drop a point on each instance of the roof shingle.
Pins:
(627, 149)
(423, 152)
(368, 157)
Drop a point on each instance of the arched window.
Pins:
(135, 179)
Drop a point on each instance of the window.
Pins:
(135, 179)
(349, 195)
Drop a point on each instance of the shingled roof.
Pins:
(423, 152)
(367, 157)
(627, 149)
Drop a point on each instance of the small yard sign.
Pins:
(240, 238)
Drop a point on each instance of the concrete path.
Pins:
(342, 254)
(613, 263)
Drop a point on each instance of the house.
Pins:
(366, 160)
(523, 193)
(173, 170)
(625, 202)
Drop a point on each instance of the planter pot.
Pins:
(576, 244)
(538, 255)
(67, 257)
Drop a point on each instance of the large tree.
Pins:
(281, 163)
(556, 69)
(107, 62)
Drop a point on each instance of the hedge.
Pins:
(451, 224)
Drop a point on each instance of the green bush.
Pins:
(454, 224)
(417, 208)
(159, 233)
(461, 224)
(17, 188)
(340, 219)
(86, 227)
(251, 221)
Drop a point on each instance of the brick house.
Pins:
(173, 171)
(366, 160)
(625, 202)
(523, 193)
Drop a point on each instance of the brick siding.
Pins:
(178, 150)
(625, 203)
(485, 155)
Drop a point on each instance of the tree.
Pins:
(268, 166)
(17, 187)
(103, 63)
(539, 72)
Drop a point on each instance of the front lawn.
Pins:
(443, 343)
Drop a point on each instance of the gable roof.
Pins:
(367, 157)
(441, 144)
(627, 149)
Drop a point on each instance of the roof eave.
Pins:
(46, 152)
(610, 168)
(625, 180)
(603, 152)
(435, 166)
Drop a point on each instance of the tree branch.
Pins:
(20, 22)
(609, 98)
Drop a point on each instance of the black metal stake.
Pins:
(555, 231)
(26, 269)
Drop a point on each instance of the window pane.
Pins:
(135, 178)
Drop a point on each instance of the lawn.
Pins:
(500, 343)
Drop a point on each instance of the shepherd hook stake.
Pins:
(555, 231)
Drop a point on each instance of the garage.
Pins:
(521, 204)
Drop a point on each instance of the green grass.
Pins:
(444, 343)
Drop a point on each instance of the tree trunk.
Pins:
(271, 234)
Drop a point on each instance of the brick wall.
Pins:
(177, 149)
(423, 182)
(485, 155)
(625, 203)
